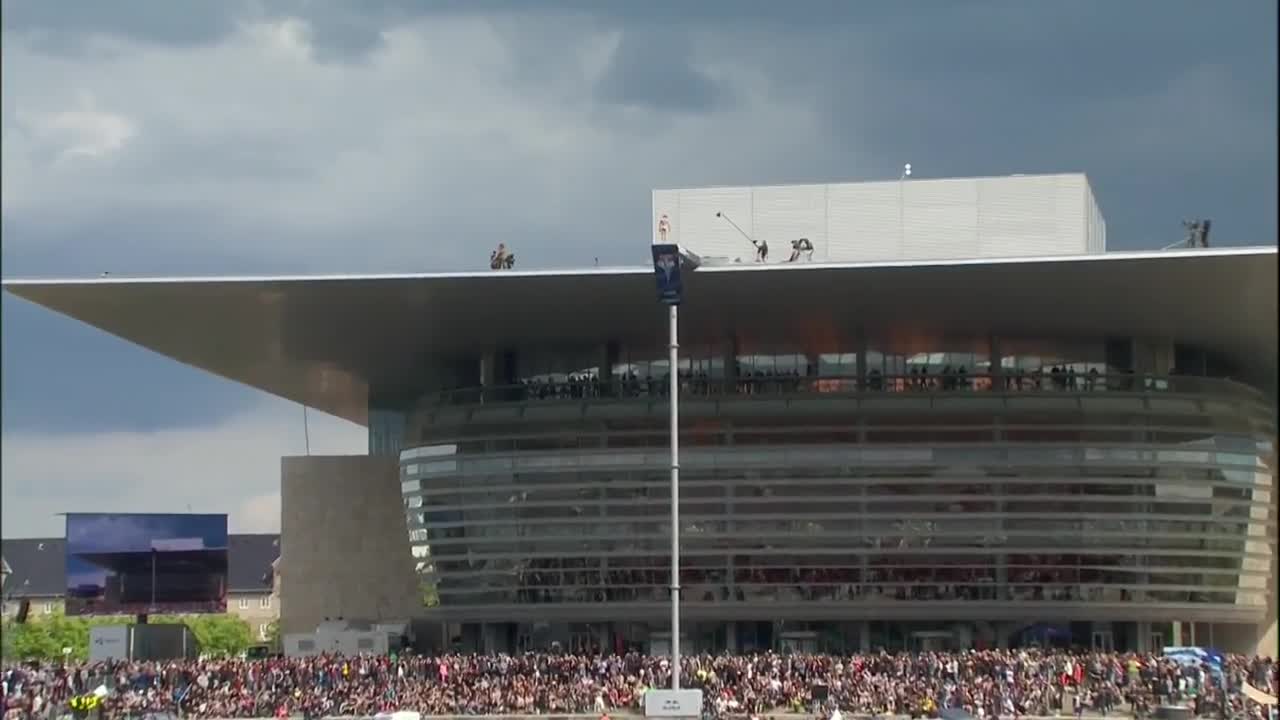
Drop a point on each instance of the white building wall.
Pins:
(1096, 226)
(864, 216)
(944, 219)
(939, 220)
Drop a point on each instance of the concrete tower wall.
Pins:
(344, 545)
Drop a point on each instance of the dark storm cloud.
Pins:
(340, 31)
(175, 240)
(64, 25)
(346, 31)
(651, 68)
(1179, 96)
(1169, 107)
(225, 156)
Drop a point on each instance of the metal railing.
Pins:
(694, 386)
(870, 592)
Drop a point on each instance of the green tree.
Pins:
(29, 641)
(220, 635)
(44, 638)
(68, 632)
(430, 597)
(274, 641)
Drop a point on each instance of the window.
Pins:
(47, 609)
(264, 602)
(264, 631)
(244, 603)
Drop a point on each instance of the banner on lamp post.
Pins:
(666, 269)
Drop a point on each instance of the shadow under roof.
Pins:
(326, 341)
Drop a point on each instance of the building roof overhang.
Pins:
(328, 341)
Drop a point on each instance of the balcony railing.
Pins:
(693, 386)
(871, 593)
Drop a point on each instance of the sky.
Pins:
(298, 136)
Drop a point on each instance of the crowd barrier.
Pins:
(780, 714)
(636, 715)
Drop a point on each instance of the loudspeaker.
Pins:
(821, 692)
(24, 609)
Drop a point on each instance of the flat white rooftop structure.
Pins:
(326, 340)
(897, 220)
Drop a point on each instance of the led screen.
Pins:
(136, 564)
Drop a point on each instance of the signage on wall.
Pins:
(108, 642)
(673, 703)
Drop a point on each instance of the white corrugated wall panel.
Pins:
(1101, 229)
(706, 234)
(1072, 226)
(1097, 227)
(1102, 223)
(940, 219)
(1017, 217)
(785, 213)
(862, 223)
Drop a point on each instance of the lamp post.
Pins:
(666, 265)
(902, 220)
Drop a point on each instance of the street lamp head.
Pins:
(689, 259)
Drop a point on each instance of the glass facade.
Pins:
(892, 479)
(386, 432)
(941, 482)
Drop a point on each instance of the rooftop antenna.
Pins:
(741, 232)
(760, 251)
(306, 429)
(902, 219)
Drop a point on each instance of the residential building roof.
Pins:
(38, 565)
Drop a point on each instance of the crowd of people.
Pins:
(1034, 578)
(589, 384)
(987, 683)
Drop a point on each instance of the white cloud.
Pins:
(231, 467)
(439, 134)
(82, 131)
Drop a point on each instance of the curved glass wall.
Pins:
(1146, 492)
